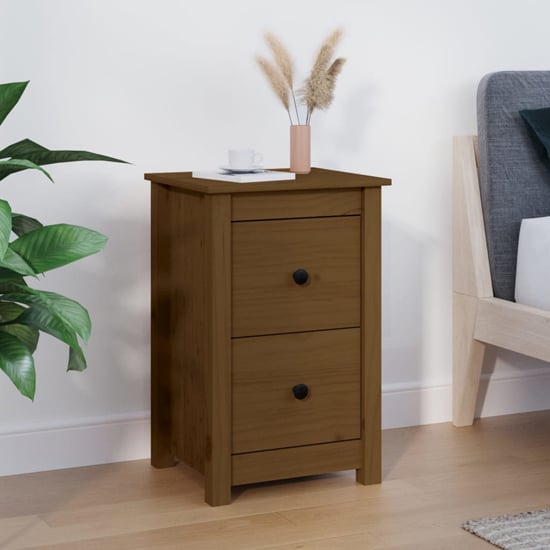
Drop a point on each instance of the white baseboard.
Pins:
(114, 438)
(412, 405)
(118, 438)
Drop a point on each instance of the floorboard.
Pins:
(435, 477)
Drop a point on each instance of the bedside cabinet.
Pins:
(265, 330)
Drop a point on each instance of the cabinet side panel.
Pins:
(162, 397)
(218, 365)
(188, 325)
(371, 468)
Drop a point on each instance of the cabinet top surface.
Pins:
(319, 178)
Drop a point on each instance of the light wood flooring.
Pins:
(435, 477)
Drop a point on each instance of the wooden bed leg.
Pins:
(467, 359)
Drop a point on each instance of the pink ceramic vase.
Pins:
(300, 147)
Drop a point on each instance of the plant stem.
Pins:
(289, 117)
(295, 106)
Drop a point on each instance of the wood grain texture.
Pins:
(370, 470)
(163, 451)
(191, 323)
(218, 366)
(471, 273)
(295, 461)
(471, 278)
(319, 178)
(266, 300)
(468, 357)
(478, 317)
(435, 478)
(296, 204)
(188, 320)
(233, 332)
(514, 326)
(266, 415)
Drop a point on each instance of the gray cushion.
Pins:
(514, 181)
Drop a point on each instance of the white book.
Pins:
(263, 175)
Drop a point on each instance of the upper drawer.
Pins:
(295, 204)
(265, 296)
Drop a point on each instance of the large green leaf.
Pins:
(21, 224)
(10, 281)
(31, 151)
(77, 361)
(8, 275)
(10, 311)
(53, 246)
(27, 335)
(16, 165)
(41, 318)
(17, 362)
(21, 148)
(5, 226)
(14, 262)
(9, 96)
(73, 316)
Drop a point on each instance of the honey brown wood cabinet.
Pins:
(265, 351)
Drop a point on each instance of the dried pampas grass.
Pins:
(282, 57)
(285, 64)
(277, 81)
(318, 89)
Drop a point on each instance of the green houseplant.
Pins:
(27, 249)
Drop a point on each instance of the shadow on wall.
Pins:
(120, 282)
(347, 128)
(114, 287)
(403, 336)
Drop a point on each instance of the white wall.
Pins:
(170, 85)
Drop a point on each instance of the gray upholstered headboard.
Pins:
(514, 181)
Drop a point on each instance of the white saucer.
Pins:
(251, 170)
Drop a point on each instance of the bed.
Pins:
(499, 178)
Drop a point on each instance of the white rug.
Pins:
(525, 531)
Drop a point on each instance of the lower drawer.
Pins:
(295, 462)
(295, 389)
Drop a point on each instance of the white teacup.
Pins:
(243, 159)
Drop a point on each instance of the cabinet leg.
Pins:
(216, 491)
(220, 497)
(162, 455)
(371, 472)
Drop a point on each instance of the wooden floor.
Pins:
(435, 477)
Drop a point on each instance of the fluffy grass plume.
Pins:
(336, 68)
(333, 71)
(277, 81)
(319, 87)
(284, 61)
(282, 58)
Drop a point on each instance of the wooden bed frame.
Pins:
(478, 317)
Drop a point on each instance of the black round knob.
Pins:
(300, 276)
(300, 391)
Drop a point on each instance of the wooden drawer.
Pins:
(265, 412)
(296, 204)
(265, 297)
